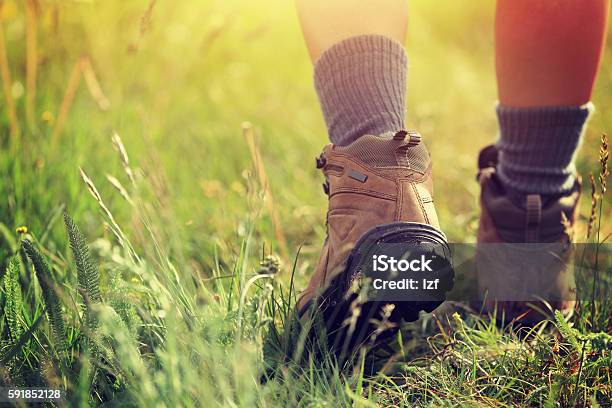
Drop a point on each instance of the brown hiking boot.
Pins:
(380, 191)
(524, 255)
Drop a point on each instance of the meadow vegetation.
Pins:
(161, 209)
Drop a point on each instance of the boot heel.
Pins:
(356, 309)
(397, 253)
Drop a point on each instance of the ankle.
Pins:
(537, 147)
(361, 84)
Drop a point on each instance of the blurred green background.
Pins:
(181, 320)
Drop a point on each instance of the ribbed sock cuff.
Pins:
(361, 84)
(537, 147)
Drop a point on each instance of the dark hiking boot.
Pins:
(380, 191)
(524, 255)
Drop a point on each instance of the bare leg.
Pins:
(547, 51)
(360, 64)
(327, 22)
(547, 57)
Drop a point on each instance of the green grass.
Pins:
(150, 299)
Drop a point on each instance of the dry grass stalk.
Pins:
(73, 84)
(31, 61)
(604, 155)
(247, 131)
(93, 85)
(593, 215)
(115, 228)
(90, 186)
(7, 84)
(125, 160)
(145, 22)
(119, 187)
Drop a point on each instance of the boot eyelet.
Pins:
(326, 187)
(320, 161)
(412, 137)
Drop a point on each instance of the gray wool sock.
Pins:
(537, 147)
(361, 83)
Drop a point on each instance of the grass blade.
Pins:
(52, 302)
